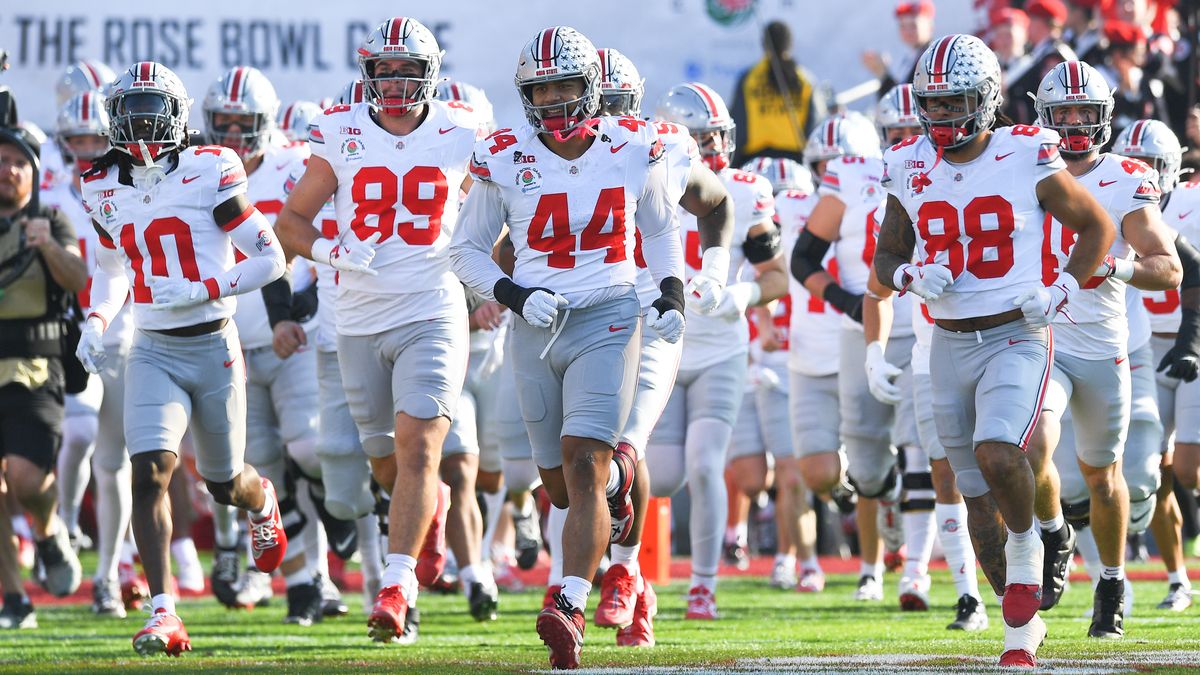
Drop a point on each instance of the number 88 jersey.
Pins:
(405, 189)
(981, 219)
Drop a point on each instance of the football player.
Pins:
(395, 165)
(165, 214)
(567, 185)
(81, 76)
(974, 228)
(294, 118)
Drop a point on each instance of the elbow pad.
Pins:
(1189, 258)
(761, 247)
(808, 255)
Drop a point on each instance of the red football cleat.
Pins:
(1018, 658)
(620, 505)
(561, 629)
(133, 589)
(164, 634)
(268, 541)
(431, 560)
(617, 598)
(548, 599)
(702, 604)
(386, 623)
(640, 633)
(1021, 603)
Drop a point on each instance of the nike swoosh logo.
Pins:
(614, 329)
(233, 284)
(1185, 215)
(1120, 361)
(446, 131)
(1013, 342)
(230, 362)
(1133, 368)
(1000, 157)
(617, 148)
(1106, 183)
(281, 167)
(189, 179)
(345, 543)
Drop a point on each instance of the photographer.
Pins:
(40, 267)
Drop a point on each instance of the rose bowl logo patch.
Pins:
(529, 180)
(352, 149)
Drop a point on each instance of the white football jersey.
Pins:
(572, 222)
(267, 191)
(1094, 326)
(170, 230)
(981, 219)
(65, 197)
(405, 188)
(710, 339)
(681, 153)
(813, 343)
(1182, 214)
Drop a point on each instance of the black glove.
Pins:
(513, 296)
(671, 298)
(847, 303)
(1182, 361)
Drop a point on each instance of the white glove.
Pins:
(927, 281)
(768, 380)
(541, 308)
(90, 351)
(1041, 305)
(667, 326)
(736, 298)
(703, 292)
(881, 375)
(348, 253)
(171, 293)
(1120, 268)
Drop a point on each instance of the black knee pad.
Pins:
(293, 518)
(1079, 514)
(383, 502)
(887, 488)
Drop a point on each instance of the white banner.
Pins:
(307, 48)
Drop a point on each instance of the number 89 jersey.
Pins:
(405, 188)
(170, 230)
(572, 220)
(981, 219)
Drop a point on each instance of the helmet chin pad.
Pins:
(947, 135)
(1076, 143)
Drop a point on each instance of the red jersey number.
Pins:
(159, 228)
(1168, 303)
(987, 252)
(560, 244)
(375, 191)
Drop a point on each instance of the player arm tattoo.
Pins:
(987, 537)
(706, 198)
(895, 244)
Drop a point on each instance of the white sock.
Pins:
(399, 570)
(554, 533)
(1111, 572)
(956, 543)
(267, 509)
(708, 581)
(627, 556)
(368, 547)
(483, 575)
(1085, 545)
(494, 502)
(1179, 576)
(918, 536)
(312, 539)
(575, 591)
(225, 528)
(1052, 525)
(1023, 555)
(164, 601)
(811, 563)
(787, 560)
(298, 578)
(871, 569)
(614, 479)
(467, 576)
(184, 548)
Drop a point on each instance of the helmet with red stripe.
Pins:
(621, 86)
(239, 111)
(783, 173)
(399, 39)
(476, 98)
(148, 110)
(897, 110)
(848, 134)
(294, 118)
(702, 110)
(555, 54)
(354, 92)
(81, 76)
(1070, 84)
(958, 66)
(1154, 143)
(83, 115)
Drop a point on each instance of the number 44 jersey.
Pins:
(981, 219)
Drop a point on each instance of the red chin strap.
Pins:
(944, 135)
(1076, 143)
(397, 106)
(135, 149)
(566, 128)
(84, 165)
(718, 162)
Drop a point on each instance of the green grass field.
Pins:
(762, 629)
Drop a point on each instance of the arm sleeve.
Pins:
(479, 224)
(110, 286)
(264, 263)
(1189, 258)
(659, 225)
(277, 296)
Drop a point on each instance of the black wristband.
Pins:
(277, 296)
(846, 302)
(672, 296)
(513, 296)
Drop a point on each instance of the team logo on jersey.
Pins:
(289, 184)
(521, 158)
(352, 149)
(917, 182)
(263, 241)
(529, 180)
(871, 191)
(1148, 191)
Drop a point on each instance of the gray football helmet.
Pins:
(958, 65)
(1155, 143)
(703, 111)
(559, 53)
(1072, 83)
(400, 38)
(242, 90)
(621, 87)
